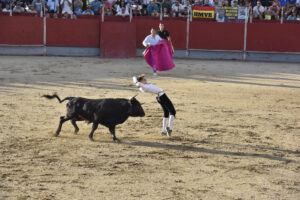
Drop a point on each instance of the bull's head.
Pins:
(136, 109)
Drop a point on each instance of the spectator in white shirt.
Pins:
(18, 8)
(123, 12)
(177, 8)
(52, 6)
(66, 6)
(31, 9)
(162, 99)
(258, 11)
(7, 8)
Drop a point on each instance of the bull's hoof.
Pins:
(76, 132)
(56, 135)
(91, 139)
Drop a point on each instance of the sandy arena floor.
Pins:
(236, 135)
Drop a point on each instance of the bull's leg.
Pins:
(61, 121)
(112, 130)
(95, 126)
(73, 121)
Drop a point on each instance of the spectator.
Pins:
(274, 11)
(290, 4)
(189, 6)
(225, 3)
(165, 12)
(294, 15)
(26, 3)
(234, 3)
(52, 6)
(167, 4)
(217, 3)
(123, 12)
(184, 12)
(66, 6)
(206, 3)
(258, 11)
(152, 7)
(18, 8)
(7, 8)
(177, 8)
(31, 9)
(145, 3)
(137, 9)
(96, 6)
(88, 10)
(0, 6)
(115, 6)
(37, 5)
(77, 7)
(198, 3)
(298, 5)
(4, 2)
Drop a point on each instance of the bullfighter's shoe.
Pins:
(169, 131)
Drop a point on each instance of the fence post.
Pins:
(281, 18)
(251, 15)
(187, 53)
(130, 14)
(161, 12)
(245, 35)
(44, 36)
(102, 14)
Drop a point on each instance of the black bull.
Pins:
(108, 112)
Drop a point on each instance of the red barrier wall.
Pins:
(177, 29)
(118, 40)
(73, 33)
(21, 30)
(85, 32)
(273, 37)
(216, 36)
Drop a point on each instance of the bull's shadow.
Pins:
(204, 150)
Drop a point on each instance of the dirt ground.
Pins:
(236, 135)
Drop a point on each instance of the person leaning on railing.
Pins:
(88, 10)
(274, 11)
(7, 8)
(18, 8)
(78, 5)
(258, 11)
(177, 9)
(167, 7)
(38, 4)
(96, 6)
(294, 15)
(152, 9)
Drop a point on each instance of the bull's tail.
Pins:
(56, 96)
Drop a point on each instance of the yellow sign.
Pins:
(203, 14)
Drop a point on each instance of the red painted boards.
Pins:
(118, 40)
(21, 30)
(216, 36)
(73, 33)
(273, 37)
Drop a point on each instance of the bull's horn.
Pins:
(134, 96)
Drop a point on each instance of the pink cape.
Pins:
(159, 57)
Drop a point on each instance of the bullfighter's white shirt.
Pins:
(150, 40)
(147, 87)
